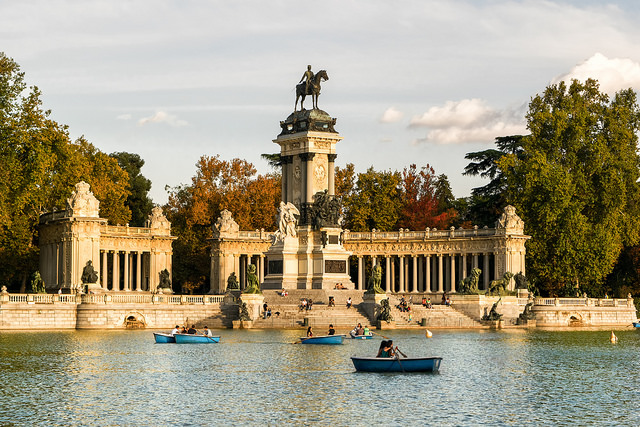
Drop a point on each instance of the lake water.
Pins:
(122, 378)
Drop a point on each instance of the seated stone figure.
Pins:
(89, 274)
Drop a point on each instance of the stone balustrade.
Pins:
(109, 298)
(584, 302)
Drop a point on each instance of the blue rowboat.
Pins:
(195, 339)
(360, 337)
(325, 339)
(163, 338)
(636, 324)
(394, 364)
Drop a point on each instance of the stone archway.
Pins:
(134, 320)
(574, 319)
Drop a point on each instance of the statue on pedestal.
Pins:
(253, 287)
(493, 313)
(311, 86)
(165, 283)
(287, 220)
(469, 285)
(232, 282)
(89, 274)
(37, 284)
(385, 311)
(375, 281)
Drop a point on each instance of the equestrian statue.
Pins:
(309, 85)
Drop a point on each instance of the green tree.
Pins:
(138, 201)
(376, 202)
(487, 202)
(576, 184)
(39, 166)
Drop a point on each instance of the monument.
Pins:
(307, 251)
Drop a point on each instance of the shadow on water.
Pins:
(521, 377)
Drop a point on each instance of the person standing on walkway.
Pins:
(349, 302)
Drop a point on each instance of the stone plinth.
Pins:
(254, 304)
(371, 304)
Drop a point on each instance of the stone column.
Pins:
(414, 279)
(453, 272)
(440, 278)
(387, 273)
(331, 174)
(153, 271)
(308, 159)
(283, 189)
(420, 275)
(485, 271)
(464, 266)
(104, 269)
(290, 179)
(261, 268)
(427, 273)
(474, 262)
(402, 282)
(139, 272)
(115, 285)
(393, 275)
(496, 273)
(126, 286)
(360, 273)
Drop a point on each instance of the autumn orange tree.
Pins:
(422, 205)
(193, 209)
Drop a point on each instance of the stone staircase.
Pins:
(440, 316)
(320, 315)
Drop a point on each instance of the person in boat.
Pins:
(359, 329)
(366, 330)
(309, 332)
(176, 330)
(206, 332)
(192, 330)
(331, 330)
(386, 349)
(183, 330)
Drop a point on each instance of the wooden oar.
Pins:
(375, 333)
(398, 350)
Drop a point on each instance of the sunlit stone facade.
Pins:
(125, 258)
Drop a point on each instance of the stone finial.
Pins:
(225, 226)
(509, 222)
(82, 202)
(157, 221)
(3, 290)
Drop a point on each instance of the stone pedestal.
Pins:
(371, 304)
(242, 324)
(315, 259)
(254, 304)
(386, 325)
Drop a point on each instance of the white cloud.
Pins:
(163, 117)
(391, 115)
(613, 74)
(468, 120)
(124, 117)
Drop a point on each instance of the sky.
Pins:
(410, 82)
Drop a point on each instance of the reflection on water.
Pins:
(259, 377)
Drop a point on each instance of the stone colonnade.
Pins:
(124, 258)
(412, 261)
(427, 273)
(132, 270)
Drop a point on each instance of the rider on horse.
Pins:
(309, 76)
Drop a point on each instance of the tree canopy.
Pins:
(40, 166)
(138, 201)
(575, 184)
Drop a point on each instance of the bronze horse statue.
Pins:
(314, 90)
